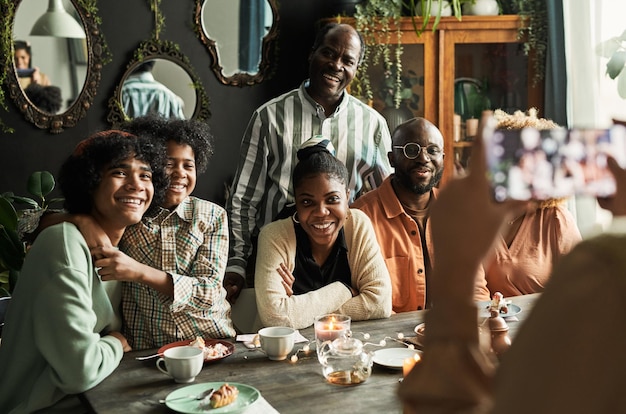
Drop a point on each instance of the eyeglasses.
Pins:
(412, 150)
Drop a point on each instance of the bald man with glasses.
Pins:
(399, 210)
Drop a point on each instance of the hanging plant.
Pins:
(534, 32)
(378, 21)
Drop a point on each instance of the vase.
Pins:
(481, 8)
(396, 116)
(446, 9)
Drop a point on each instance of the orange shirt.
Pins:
(401, 245)
(543, 237)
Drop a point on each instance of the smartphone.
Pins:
(528, 164)
(25, 73)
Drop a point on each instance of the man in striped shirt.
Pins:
(261, 189)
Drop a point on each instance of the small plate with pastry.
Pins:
(485, 307)
(228, 397)
(214, 349)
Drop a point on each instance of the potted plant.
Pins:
(12, 248)
(375, 18)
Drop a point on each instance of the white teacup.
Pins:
(277, 341)
(182, 363)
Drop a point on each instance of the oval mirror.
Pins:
(239, 35)
(160, 80)
(54, 79)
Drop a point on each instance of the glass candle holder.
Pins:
(330, 327)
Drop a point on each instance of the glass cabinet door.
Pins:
(487, 76)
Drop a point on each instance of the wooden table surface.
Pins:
(137, 386)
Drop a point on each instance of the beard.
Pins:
(406, 182)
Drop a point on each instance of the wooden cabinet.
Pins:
(478, 50)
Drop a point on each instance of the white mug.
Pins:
(277, 341)
(182, 363)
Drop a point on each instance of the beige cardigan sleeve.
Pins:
(370, 276)
(277, 244)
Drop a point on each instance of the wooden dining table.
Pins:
(290, 387)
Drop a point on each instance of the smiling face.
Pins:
(123, 196)
(22, 59)
(181, 168)
(322, 207)
(333, 64)
(421, 174)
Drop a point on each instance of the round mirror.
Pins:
(161, 81)
(239, 35)
(55, 77)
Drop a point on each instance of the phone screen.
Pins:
(25, 73)
(528, 164)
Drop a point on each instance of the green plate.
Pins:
(247, 396)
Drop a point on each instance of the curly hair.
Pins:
(318, 161)
(196, 134)
(81, 173)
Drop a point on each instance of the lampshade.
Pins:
(57, 22)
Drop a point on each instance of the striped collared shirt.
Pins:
(191, 244)
(262, 185)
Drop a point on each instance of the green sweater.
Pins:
(51, 342)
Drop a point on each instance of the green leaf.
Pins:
(40, 183)
(25, 200)
(615, 65)
(8, 215)
(621, 85)
(56, 200)
(11, 249)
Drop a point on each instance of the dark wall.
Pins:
(125, 23)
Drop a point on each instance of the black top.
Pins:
(309, 275)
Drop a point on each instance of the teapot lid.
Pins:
(347, 346)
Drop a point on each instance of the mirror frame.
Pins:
(241, 78)
(96, 53)
(158, 49)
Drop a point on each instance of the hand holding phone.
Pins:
(25, 73)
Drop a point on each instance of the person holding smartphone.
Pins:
(566, 358)
(27, 74)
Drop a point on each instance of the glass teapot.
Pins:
(345, 361)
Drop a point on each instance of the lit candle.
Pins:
(329, 331)
(409, 363)
(330, 327)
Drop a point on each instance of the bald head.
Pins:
(417, 128)
(338, 27)
(417, 155)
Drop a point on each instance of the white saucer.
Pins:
(393, 357)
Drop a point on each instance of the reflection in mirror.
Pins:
(161, 81)
(239, 35)
(158, 86)
(55, 79)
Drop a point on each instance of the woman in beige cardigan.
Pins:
(323, 259)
